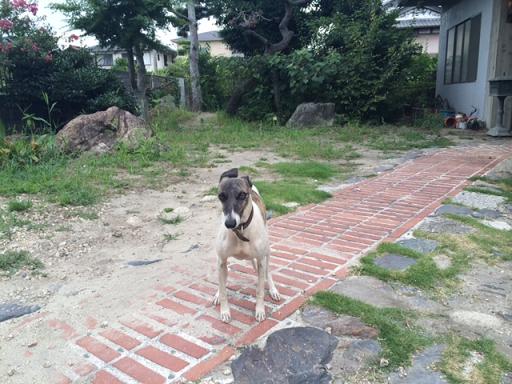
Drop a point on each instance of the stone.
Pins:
(419, 245)
(473, 319)
(498, 224)
(12, 311)
(317, 316)
(486, 214)
(479, 200)
(140, 263)
(384, 168)
(313, 114)
(291, 355)
(452, 209)
(442, 261)
(180, 212)
(102, 131)
(421, 370)
(501, 171)
(358, 355)
(368, 290)
(291, 205)
(134, 221)
(507, 378)
(352, 327)
(443, 225)
(394, 262)
(209, 198)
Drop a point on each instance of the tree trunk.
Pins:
(141, 83)
(131, 69)
(195, 85)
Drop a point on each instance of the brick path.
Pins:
(311, 249)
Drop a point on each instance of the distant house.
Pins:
(475, 47)
(153, 59)
(211, 40)
(426, 31)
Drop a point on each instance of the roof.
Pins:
(415, 3)
(204, 36)
(100, 49)
(419, 22)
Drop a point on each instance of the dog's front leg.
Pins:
(222, 297)
(260, 291)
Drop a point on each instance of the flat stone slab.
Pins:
(317, 316)
(368, 290)
(141, 263)
(451, 209)
(486, 214)
(394, 262)
(291, 355)
(479, 200)
(421, 371)
(475, 320)
(419, 245)
(443, 225)
(498, 224)
(442, 261)
(359, 354)
(12, 311)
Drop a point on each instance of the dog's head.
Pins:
(234, 194)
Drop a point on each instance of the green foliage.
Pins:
(19, 205)
(310, 169)
(25, 151)
(12, 261)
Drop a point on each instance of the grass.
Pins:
(8, 222)
(170, 237)
(505, 184)
(86, 215)
(399, 338)
(489, 371)
(309, 169)
(174, 221)
(13, 261)
(277, 193)
(168, 210)
(19, 205)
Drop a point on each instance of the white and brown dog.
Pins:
(243, 235)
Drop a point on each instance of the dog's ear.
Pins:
(232, 173)
(248, 179)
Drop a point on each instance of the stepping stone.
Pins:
(140, 263)
(317, 316)
(291, 355)
(394, 262)
(451, 209)
(384, 168)
(507, 378)
(475, 320)
(419, 245)
(12, 311)
(486, 214)
(498, 224)
(443, 225)
(442, 262)
(359, 354)
(369, 290)
(479, 200)
(421, 371)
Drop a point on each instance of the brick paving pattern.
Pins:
(311, 249)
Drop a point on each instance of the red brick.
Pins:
(288, 249)
(289, 282)
(298, 275)
(103, 377)
(339, 260)
(255, 332)
(84, 369)
(283, 255)
(176, 307)
(139, 372)
(165, 288)
(213, 340)
(320, 286)
(142, 328)
(287, 309)
(186, 296)
(318, 263)
(220, 326)
(308, 269)
(120, 338)
(250, 305)
(185, 346)
(68, 332)
(205, 367)
(162, 358)
(98, 349)
(204, 289)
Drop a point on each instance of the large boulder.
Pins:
(313, 114)
(101, 131)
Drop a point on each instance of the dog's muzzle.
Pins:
(230, 222)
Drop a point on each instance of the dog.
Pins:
(243, 235)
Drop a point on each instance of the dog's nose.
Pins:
(230, 223)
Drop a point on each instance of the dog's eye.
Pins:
(241, 196)
(222, 197)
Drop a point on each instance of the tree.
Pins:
(129, 24)
(257, 27)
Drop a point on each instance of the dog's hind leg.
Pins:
(221, 297)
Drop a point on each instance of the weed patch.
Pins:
(174, 221)
(12, 261)
(309, 169)
(19, 205)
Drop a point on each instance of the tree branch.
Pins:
(181, 15)
(256, 35)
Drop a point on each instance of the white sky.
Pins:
(60, 27)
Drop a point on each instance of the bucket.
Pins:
(450, 122)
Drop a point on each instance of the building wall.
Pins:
(217, 48)
(463, 96)
(430, 43)
(153, 60)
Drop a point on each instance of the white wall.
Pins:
(430, 43)
(152, 60)
(463, 96)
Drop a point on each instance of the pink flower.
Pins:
(17, 4)
(32, 8)
(73, 37)
(5, 25)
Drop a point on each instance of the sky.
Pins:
(60, 27)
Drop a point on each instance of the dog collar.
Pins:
(238, 230)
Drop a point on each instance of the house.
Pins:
(425, 26)
(475, 47)
(211, 40)
(106, 57)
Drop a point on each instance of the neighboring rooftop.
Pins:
(419, 23)
(204, 37)
(114, 49)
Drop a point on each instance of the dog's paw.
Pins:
(225, 315)
(274, 294)
(216, 300)
(260, 314)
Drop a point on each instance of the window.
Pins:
(462, 49)
(106, 60)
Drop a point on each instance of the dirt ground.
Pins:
(86, 269)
